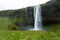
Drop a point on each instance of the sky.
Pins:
(18, 4)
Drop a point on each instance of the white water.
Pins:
(37, 18)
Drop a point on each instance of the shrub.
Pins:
(13, 27)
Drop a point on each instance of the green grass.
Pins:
(32, 35)
(54, 28)
(7, 23)
(28, 35)
(53, 32)
(4, 23)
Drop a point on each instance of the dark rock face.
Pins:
(51, 13)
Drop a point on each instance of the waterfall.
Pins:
(37, 18)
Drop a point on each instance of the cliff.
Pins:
(24, 17)
(51, 12)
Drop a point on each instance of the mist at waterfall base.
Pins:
(37, 18)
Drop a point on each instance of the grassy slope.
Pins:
(28, 35)
(53, 33)
(54, 28)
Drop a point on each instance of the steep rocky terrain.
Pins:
(25, 17)
(51, 12)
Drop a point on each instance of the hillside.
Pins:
(13, 23)
(24, 17)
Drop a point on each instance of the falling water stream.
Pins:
(37, 18)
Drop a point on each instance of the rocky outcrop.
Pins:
(51, 13)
